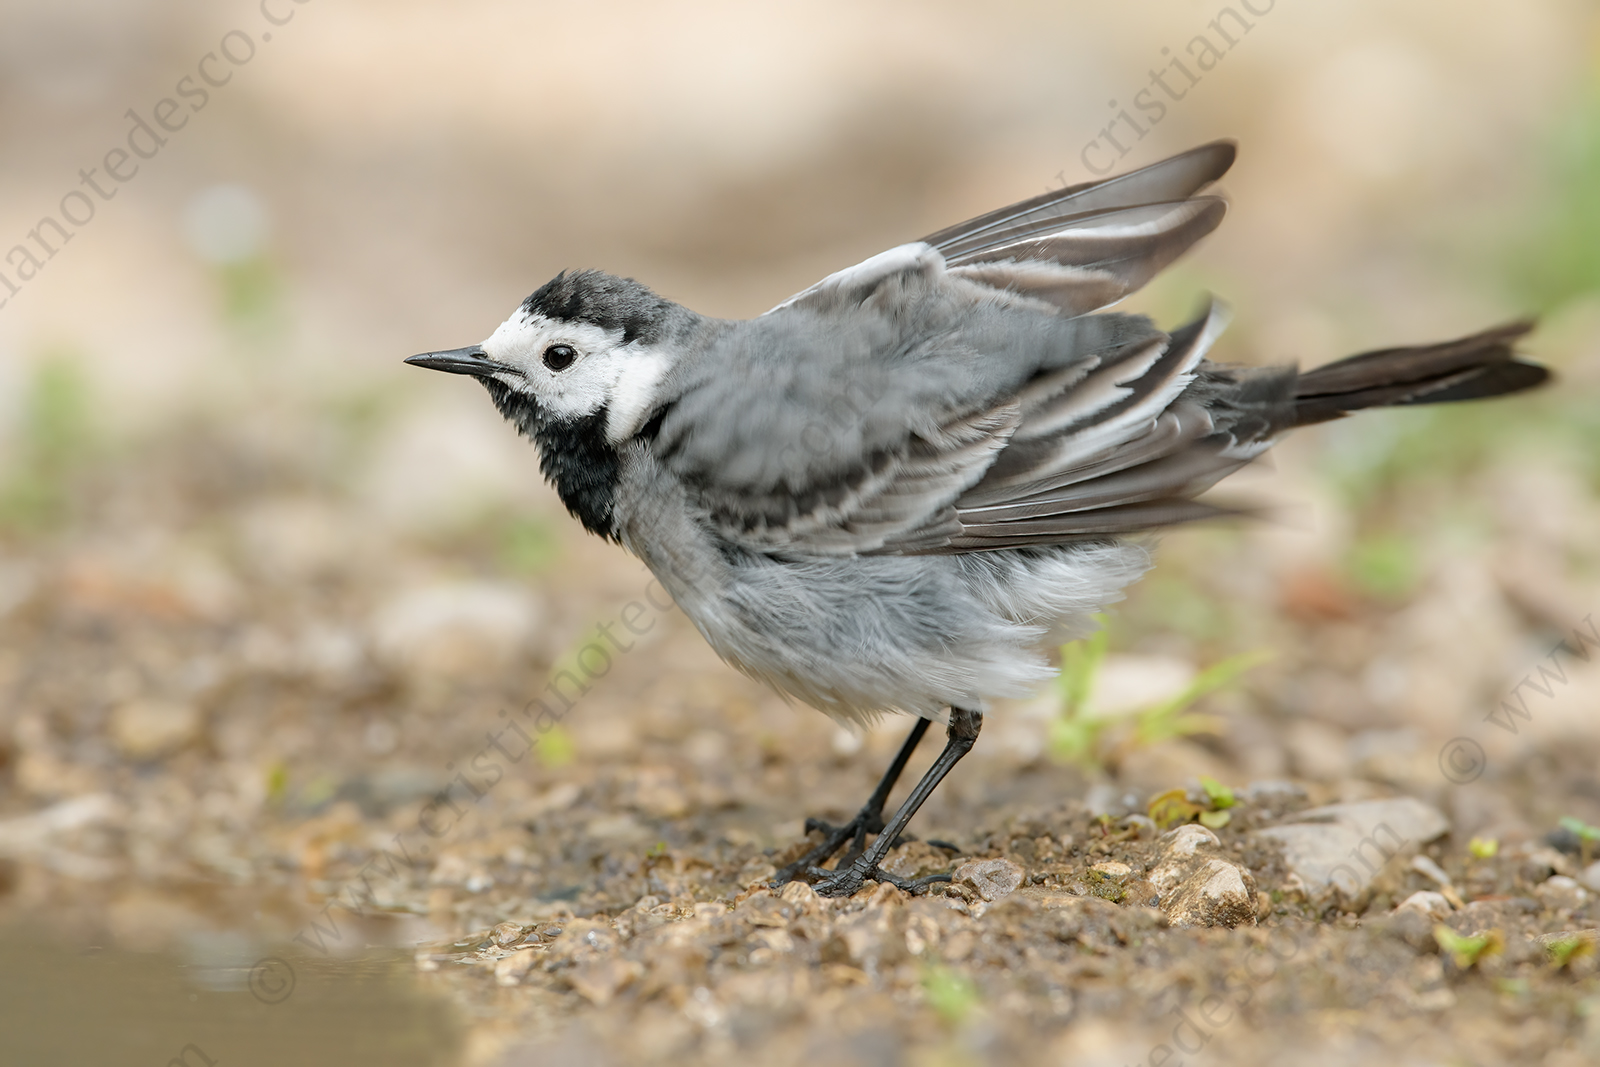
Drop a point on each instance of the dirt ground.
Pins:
(293, 764)
(326, 736)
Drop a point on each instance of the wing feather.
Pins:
(1176, 178)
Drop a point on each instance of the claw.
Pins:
(850, 880)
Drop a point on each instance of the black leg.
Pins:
(963, 731)
(869, 820)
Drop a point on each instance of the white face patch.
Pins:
(605, 374)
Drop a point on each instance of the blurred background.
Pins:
(263, 588)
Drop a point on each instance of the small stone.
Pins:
(801, 895)
(1218, 894)
(599, 982)
(1179, 859)
(1343, 846)
(1562, 894)
(870, 939)
(1185, 840)
(1434, 905)
(1541, 862)
(1272, 789)
(1114, 870)
(510, 970)
(990, 879)
(507, 933)
(454, 628)
(1412, 926)
(1590, 878)
(147, 729)
(1425, 866)
(922, 933)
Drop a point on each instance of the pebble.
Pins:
(1272, 789)
(600, 981)
(1561, 893)
(1176, 862)
(509, 970)
(507, 933)
(1199, 889)
(1425, 866)
(1434, 905)
(1217, 894)
(1115, 870)
(454, 628)
(990, 879)
(148, 729)
(1343, 846)
(1591, 877)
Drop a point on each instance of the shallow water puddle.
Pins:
(218, 1006)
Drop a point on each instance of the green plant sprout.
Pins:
(556, 748)
(1587, 835)
(1466, 951)
(56, 436)
(949, 992)
(1484, 848)
(1563, 950)
(1078, 735)
(1173, 807)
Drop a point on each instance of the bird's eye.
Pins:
(559, 357)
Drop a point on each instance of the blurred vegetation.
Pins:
(55, 439)
(1465, 951)
(1588, 836)
(556, 747)
(949, 993)
(1384, 565)
(1209, 807)
(1549, 266)
(1099, 742)
(527, 544)
(1559, 260)
(252, 298)
(1563, 950)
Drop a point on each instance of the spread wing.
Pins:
(1085, 247)
(952, 395)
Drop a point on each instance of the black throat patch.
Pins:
(574, 455)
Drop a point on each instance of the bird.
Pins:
(884, 494)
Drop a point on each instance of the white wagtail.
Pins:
(882, 494)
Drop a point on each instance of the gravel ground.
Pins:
(327, 738)
(245, 723)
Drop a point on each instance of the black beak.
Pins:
(459, 361)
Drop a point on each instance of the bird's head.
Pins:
(585, 347)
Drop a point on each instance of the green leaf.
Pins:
(1221, 796)
(1080, 662)
(556, 748)
(1563, 950)
(1385, 566)
(1075, 740)
(1215, 820)
(1172, 808)
(1166, 720)
(1466, 951)
(1483, 848)
(1581, 828)
(949, 992)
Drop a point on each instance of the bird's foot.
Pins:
(848, 880)
(867, 821)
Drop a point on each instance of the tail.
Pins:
(1471, 368)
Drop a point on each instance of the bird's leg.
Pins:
(869, 820)
(963, 732)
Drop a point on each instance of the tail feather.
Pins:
(1482, 365)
